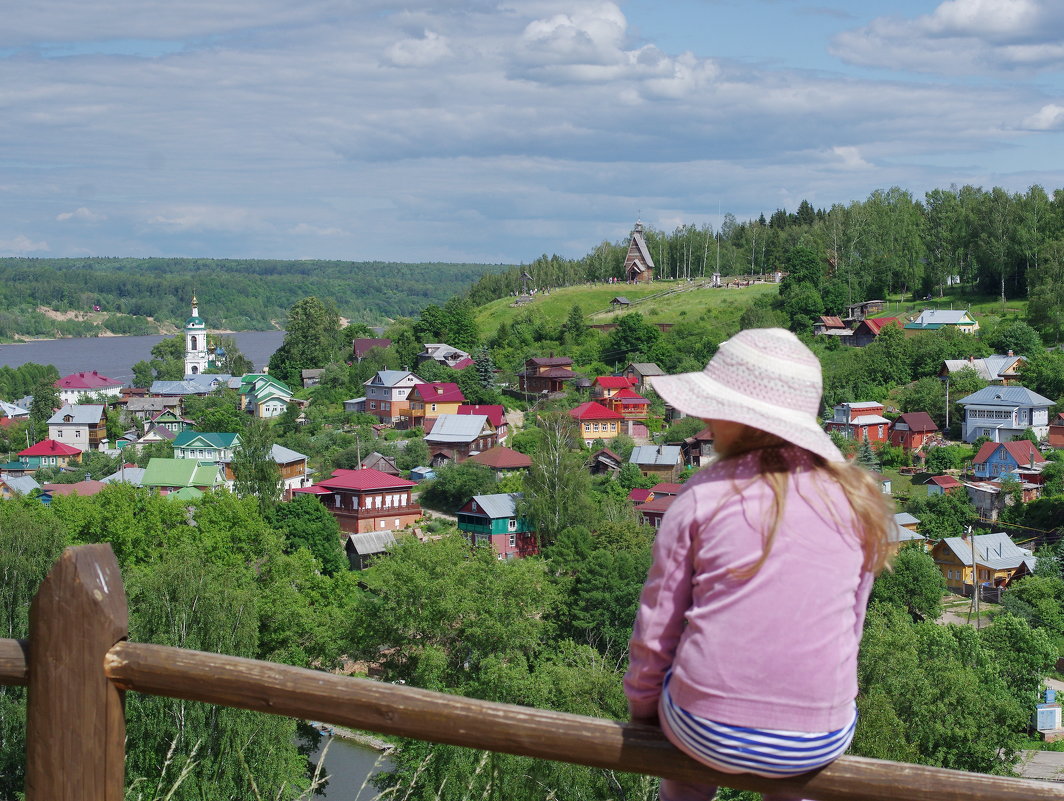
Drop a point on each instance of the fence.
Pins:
(77, 664)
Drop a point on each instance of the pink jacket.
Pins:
(777, 650)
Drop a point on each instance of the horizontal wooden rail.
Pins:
(14, 666)
(438, 717)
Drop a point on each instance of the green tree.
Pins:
(631, 336)
(229, 359)
(305, 523)
(45, 402)
(574, 328)
(311, 340)
(217, 412)
(943, 515)
(457, 483)
(257, 474)
(913, 582)
(557, 485)
(866, 457)
(461, 325)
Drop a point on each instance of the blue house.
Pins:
(996, 459)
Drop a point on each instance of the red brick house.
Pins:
(911, 430)
(860, 421)
(366, 500)
(545, 374)
(1056, 432)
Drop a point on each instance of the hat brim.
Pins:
(698, 395)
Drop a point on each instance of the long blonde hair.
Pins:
(870, 508)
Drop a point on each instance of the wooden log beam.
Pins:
(437, 717)
(13, 662)
(75, 725)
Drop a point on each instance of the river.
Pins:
(114, 357)
(348, 766)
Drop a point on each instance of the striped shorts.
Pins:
(763, 752)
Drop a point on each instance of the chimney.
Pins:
(1011, 353)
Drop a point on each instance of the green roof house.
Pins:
(171, 475)
(263, 395)
(205, 446)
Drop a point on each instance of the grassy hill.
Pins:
(661, 302)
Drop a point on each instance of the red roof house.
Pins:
(502, 459)
(606, 385)
(867, 330)
(995, 458)
(911, 430)
(361, 346)
(49, 453)
(936, 485)
(366, 500)
(651, 512)
(72, 387)
(596, 421)
(1056, 432)
(629, 404)
(666, 488)
(639, 495)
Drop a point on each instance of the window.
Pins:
(513, 541)
(512, 524)
(373, 404)
(587, 426)
(434, 407)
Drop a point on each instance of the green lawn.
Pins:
(982, 307)
(650, 301)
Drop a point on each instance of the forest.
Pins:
(994, 243)
(138, 296)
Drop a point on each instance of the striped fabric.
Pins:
(763, 752)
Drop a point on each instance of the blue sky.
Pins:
(496, 130)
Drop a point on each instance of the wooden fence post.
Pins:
(75, 722)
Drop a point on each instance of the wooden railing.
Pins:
(77, 665)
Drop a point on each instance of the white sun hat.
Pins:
(764, 378)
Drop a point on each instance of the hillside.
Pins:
(661, 302)
(59, 297)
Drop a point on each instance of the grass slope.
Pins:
(661, 302)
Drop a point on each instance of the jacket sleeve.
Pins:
(664, 602)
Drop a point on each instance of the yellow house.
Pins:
(596, 421)
(429, 401)
(997, 560)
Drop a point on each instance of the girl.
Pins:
(745, 644)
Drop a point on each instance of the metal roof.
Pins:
(503, 504)
(370, 542)
(655, 455)
(457, 428)
(80, 414)
(1006, 396)
(188, 439)
(23, 485)
(995, 551)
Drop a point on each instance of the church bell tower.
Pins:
(196, 356)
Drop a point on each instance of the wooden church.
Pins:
(638, 265)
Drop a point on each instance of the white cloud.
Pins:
(962, 37)
(850, 158)
(21, 244)
(1048, 118)
(306, 229)
(426, 51)
(81, 214)
(205, 218)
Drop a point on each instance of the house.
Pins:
(997, 458)
(1003, 413)
(990, 499)
(291, 467)
(363, 548)
(658, 461)
(936, 319)
(595, 421)
(16, 486)
(1056, 432)
(48, 453)
(85, 489)
(606, 386)
(638, 264)
(495, 413)
(128, 473)
(629, 404)
(545, 374)
(83, 425)
(84, 385)
(860, 421)
(385, 464)
(12, 411)
(698, 449)
(493, 520)
(429, 401)
(363, 345)
(997, 560)
(620, 301)
(912, 430)
(205, 446)
(453, 437)
(502, 460)
(866, 331)
(937, 485)
(906, 528)
(604, 461)
(831, 326)
(638, 373)
(444, 354)
(152, 433)
(366, 500)
(996, 369)
(263, 395)
(388, 396)
(652, 511)
(639, 495)
(146, 408)
(312, 377)
(198, 384)
(171, 475)
(864, 309)
(422, 473)
(171, 421)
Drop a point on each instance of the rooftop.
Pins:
(87, 381)
(368, 479)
